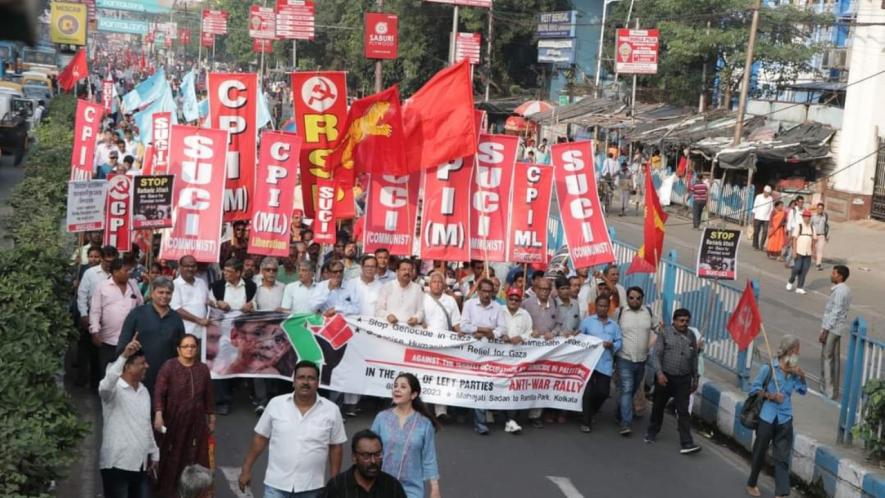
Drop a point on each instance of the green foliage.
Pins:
(873, 423)
(424, 29)
(716, 32)
(40, 430)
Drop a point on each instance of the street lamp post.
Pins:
(601, 42)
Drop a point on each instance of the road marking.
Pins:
(565, 485)
(232, 476)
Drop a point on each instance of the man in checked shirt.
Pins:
(675, 363)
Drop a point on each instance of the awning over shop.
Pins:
(804, 142)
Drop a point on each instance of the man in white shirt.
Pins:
(440, 309)
(303, 431)
(366, 286)
(762, 206)
(401, 300)
(128, 448)
(519, 329)
(269, 295)
(191, 298)
(610, 166)
(296, 296)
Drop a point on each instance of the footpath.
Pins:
(818, 461)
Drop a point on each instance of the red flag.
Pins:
(75, 71)
(373, 141)
(745, 321)
(439, 119)
(142, 63)
(649, 255)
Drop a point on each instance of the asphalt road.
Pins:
(782, 312)
(557, 461)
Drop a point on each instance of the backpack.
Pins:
(651, 316)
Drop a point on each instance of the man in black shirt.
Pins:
(365, 478)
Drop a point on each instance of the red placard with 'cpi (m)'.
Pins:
(530, 208)
(489, 193)
(196, 159)
(160, 140)
(445, 216)
(117, 213)
(391, 213)
(380, 39)
(233, 104)
(86, 124)
(586, 232)
(276, 178)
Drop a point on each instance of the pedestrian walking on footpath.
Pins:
(777, 232)
(777, 383)
(365, 477)
(675, 363)
(182, 414)
(128, 449)
(408, 432)
(304, 431)
(699, 194)
(803, 248)
(834, 325)
(762, 206)
(820, 221)
(625, 186)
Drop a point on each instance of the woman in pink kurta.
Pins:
(183, 405)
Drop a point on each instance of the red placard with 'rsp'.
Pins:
(196, 159)
(275, 181)
(233, 99)
(380, 39)
(586, 233)
(86, 123)
(530, 207)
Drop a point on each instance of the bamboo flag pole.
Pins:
(770, 358)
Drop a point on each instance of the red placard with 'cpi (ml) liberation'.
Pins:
(532, 188)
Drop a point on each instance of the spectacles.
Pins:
(335, 272)
(272, 270)
(369, 456)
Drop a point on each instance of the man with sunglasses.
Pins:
(675, 363)
(638, 325)
(330, 297)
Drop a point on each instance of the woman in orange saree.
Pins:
(777, 231)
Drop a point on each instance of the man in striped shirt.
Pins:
(699, 192)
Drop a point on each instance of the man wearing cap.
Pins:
(803, 248)
(519, 329)
(762, 205)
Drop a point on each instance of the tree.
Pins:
(715, 33)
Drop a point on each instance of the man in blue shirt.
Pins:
(330, 297)
(597, 389)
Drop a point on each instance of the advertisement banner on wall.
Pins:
(637, 51)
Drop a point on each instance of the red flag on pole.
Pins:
(745, 321)
(649, 255)
(373, 141)
(75, 71)
(439, 119)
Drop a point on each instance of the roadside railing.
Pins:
(731, 202)
(709, 302)
(864, 362)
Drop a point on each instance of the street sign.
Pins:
(468, 46)
(262, 22)
(215, 21)
(380, 37)
(260, 45)
(184, 35)
(637, 51)
(67, 23)
(557, 51)
(207, 39)
(117, 25)
(557, 24)
(295, 19)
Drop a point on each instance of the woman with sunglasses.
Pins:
(182, 414)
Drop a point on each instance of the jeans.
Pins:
(119, 483)
(830, 365)
(595, 394)
(782, 436)
(679, 388)
(270, 492)
(479, 421)
(697, 210)
(800, 270)
(760, 233)
(630, 376)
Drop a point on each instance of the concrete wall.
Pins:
(864, 118)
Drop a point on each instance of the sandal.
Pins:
(753, 491)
